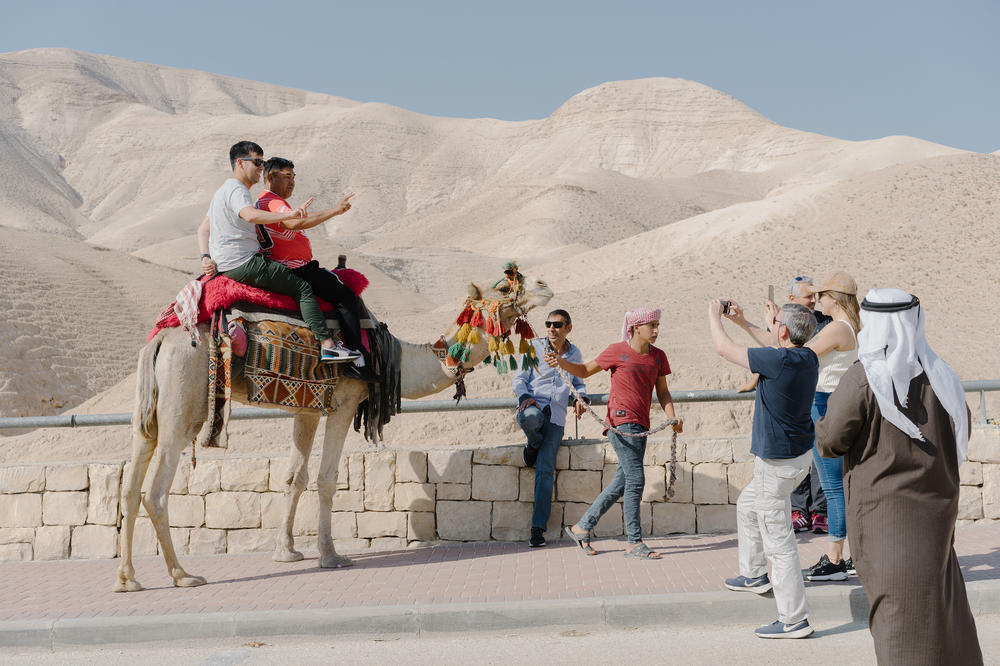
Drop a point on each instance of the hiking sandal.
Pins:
(642, 552)
(582, 540)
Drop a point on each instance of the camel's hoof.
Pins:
(335, 561)
(130, 585)
(189, 581)
(287, 555)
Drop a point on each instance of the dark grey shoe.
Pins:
(537, 539)
(530, 454)
(826, 570)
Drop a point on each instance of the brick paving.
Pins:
(475, 572)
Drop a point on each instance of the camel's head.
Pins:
(535, 293)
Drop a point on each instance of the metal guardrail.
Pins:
(980, 386)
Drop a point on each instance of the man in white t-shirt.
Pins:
(234, 248)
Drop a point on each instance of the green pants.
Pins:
(275, 276)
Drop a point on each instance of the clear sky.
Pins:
(848, 69)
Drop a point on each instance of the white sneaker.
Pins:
(338, 354)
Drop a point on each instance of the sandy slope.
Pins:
(657, 191)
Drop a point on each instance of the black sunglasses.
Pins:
(554, 324)
(257, 161)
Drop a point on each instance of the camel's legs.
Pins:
(142, 453)
(295, 481)
(155, 501)
(326, 482)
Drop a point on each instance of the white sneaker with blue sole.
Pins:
(338, 354)
(779, 629)
(758, 585)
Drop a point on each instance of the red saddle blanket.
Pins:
(222, 292)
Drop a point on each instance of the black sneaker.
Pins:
(530, 454)
(537, 539)
(851, 571)
(826, 570)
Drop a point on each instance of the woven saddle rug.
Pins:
(281, 367)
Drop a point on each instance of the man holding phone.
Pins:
(543, 397)
(781, 444)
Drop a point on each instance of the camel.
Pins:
(170, 409)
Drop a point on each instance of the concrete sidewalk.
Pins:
(469, 587)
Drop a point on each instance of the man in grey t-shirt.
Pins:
(234, 247)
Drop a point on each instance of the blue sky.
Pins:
(853, 70)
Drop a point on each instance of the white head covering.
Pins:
(892, 346)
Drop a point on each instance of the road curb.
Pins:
(840, 603)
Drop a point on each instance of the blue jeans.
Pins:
(545, 436)
(629, 481)
(831, 477)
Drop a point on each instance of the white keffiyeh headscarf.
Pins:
(892, 346)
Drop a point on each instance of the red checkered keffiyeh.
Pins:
(638, 317)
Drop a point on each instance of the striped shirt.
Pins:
(288, 246)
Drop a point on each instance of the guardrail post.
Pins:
(982, 405)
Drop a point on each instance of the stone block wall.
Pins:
(388, 500)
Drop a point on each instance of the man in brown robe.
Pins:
(900, 419)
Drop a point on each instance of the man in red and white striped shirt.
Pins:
(287, 243)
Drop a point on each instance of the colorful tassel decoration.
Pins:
(464, 316)
(466, 354)
(494, 345)
(463, 333)
(490, 328)
(477, 319)
(528, 332)
(473, 338)
(507, 347)
(513, 363)
(455, 351)
(524, 347)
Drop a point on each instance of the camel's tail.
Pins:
(144, 413)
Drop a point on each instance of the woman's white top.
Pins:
(834, 363)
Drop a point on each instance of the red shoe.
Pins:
(799, 522)
(819, 524)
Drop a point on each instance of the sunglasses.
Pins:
(554, 324)
(257, 161)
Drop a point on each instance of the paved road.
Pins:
(429, 592)
(832, 644)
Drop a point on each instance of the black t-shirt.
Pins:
(782, 423)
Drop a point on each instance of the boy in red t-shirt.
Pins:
(637, 367)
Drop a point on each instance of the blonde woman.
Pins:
(837, 348)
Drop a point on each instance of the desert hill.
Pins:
(658, 191)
